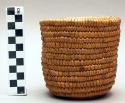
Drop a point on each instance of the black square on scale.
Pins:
(19, 47)
(19, 61)
(18, 18)
(13, 83)
(11, 40)
(12, 54)
(11, 11)
(12, 69)
(20, 76)
(19, 32)
(20, 90)
(11, 25)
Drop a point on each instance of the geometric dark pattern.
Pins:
(15, 51)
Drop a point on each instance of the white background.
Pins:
(34, 11)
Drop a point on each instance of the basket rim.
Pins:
(86, 20)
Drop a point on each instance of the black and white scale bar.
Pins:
(16, 50)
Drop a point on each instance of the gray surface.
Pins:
(34, 11)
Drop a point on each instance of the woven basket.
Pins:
(79, 55)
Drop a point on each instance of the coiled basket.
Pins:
(79, 55)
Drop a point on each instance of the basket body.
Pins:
(79, 55)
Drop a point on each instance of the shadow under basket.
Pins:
(79, 55)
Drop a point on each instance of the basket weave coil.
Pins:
(79, 55)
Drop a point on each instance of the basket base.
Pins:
(89, 96)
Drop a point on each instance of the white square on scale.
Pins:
(19, 54)
(20, 69)
(11, 33)
(20, 83)
(12, 90)
(18, 25)
(19, 10)
(12, 76)
(10, 18)
(12, 61)
(19, 40)
(11, 47)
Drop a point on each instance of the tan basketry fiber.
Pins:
(79, 55)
